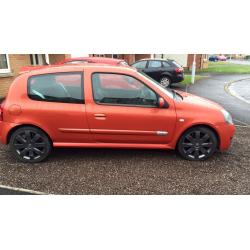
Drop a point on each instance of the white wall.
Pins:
(180, 58)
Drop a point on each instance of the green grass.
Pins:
(187, 79)
(226, 67)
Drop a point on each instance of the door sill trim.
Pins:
(111, 145)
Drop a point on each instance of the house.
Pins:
(10, 65)
(186, 60)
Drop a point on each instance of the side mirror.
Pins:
(162, 103)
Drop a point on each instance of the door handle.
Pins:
(100, 116)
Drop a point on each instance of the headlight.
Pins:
(228, 118)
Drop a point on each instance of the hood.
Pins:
(199, 101)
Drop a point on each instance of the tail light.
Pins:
(179, 70)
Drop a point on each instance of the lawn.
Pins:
(187, 79)
(226, 67)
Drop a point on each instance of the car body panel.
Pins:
(132, 124)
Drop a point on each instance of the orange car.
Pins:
(93, 105)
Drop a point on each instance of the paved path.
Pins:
(214, 88)
(241, 89)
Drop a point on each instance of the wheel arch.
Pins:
(166, 74)
(199, 125)
(12, 130)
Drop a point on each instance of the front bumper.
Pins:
(226, 133)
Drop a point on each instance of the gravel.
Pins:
(113, 171)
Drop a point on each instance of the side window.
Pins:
(165, 64)
(140, 65)
(118, 89)
(57, 87)
(154, 64)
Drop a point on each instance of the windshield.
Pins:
(166, 91)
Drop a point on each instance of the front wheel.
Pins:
(165, 82)
(198, 143)
(29, 144)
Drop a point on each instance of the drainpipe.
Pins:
(47, 58)
(193, 69)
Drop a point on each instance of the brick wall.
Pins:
(54, 58)
(200, 62)
(16, 62)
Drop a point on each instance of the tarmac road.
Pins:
(215, 88)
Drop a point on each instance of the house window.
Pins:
(4, 63)
(99, 55)
(38, 59)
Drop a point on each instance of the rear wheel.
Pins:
(165, 81)
(198, 143)
(29, 144)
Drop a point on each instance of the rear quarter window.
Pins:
(57, 87)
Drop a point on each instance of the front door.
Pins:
(125, 110)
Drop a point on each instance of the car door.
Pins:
(123, 109)
(57, 105)
(154, 69)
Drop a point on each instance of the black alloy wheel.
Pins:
(198, 143)
(165, 82)
(29, 144)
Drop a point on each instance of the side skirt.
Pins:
(111, 145)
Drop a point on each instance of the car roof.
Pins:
(94, 59)
(77, 67)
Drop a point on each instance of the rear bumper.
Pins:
(178, 78)
(226, 134)
(5, 128)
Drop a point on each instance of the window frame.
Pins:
(56, 73)
(123, 105)
(37, 59)
(8, 70)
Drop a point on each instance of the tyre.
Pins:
(29, 144)
(165, 81)
(197, 143)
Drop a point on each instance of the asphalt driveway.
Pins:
(110, 171)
